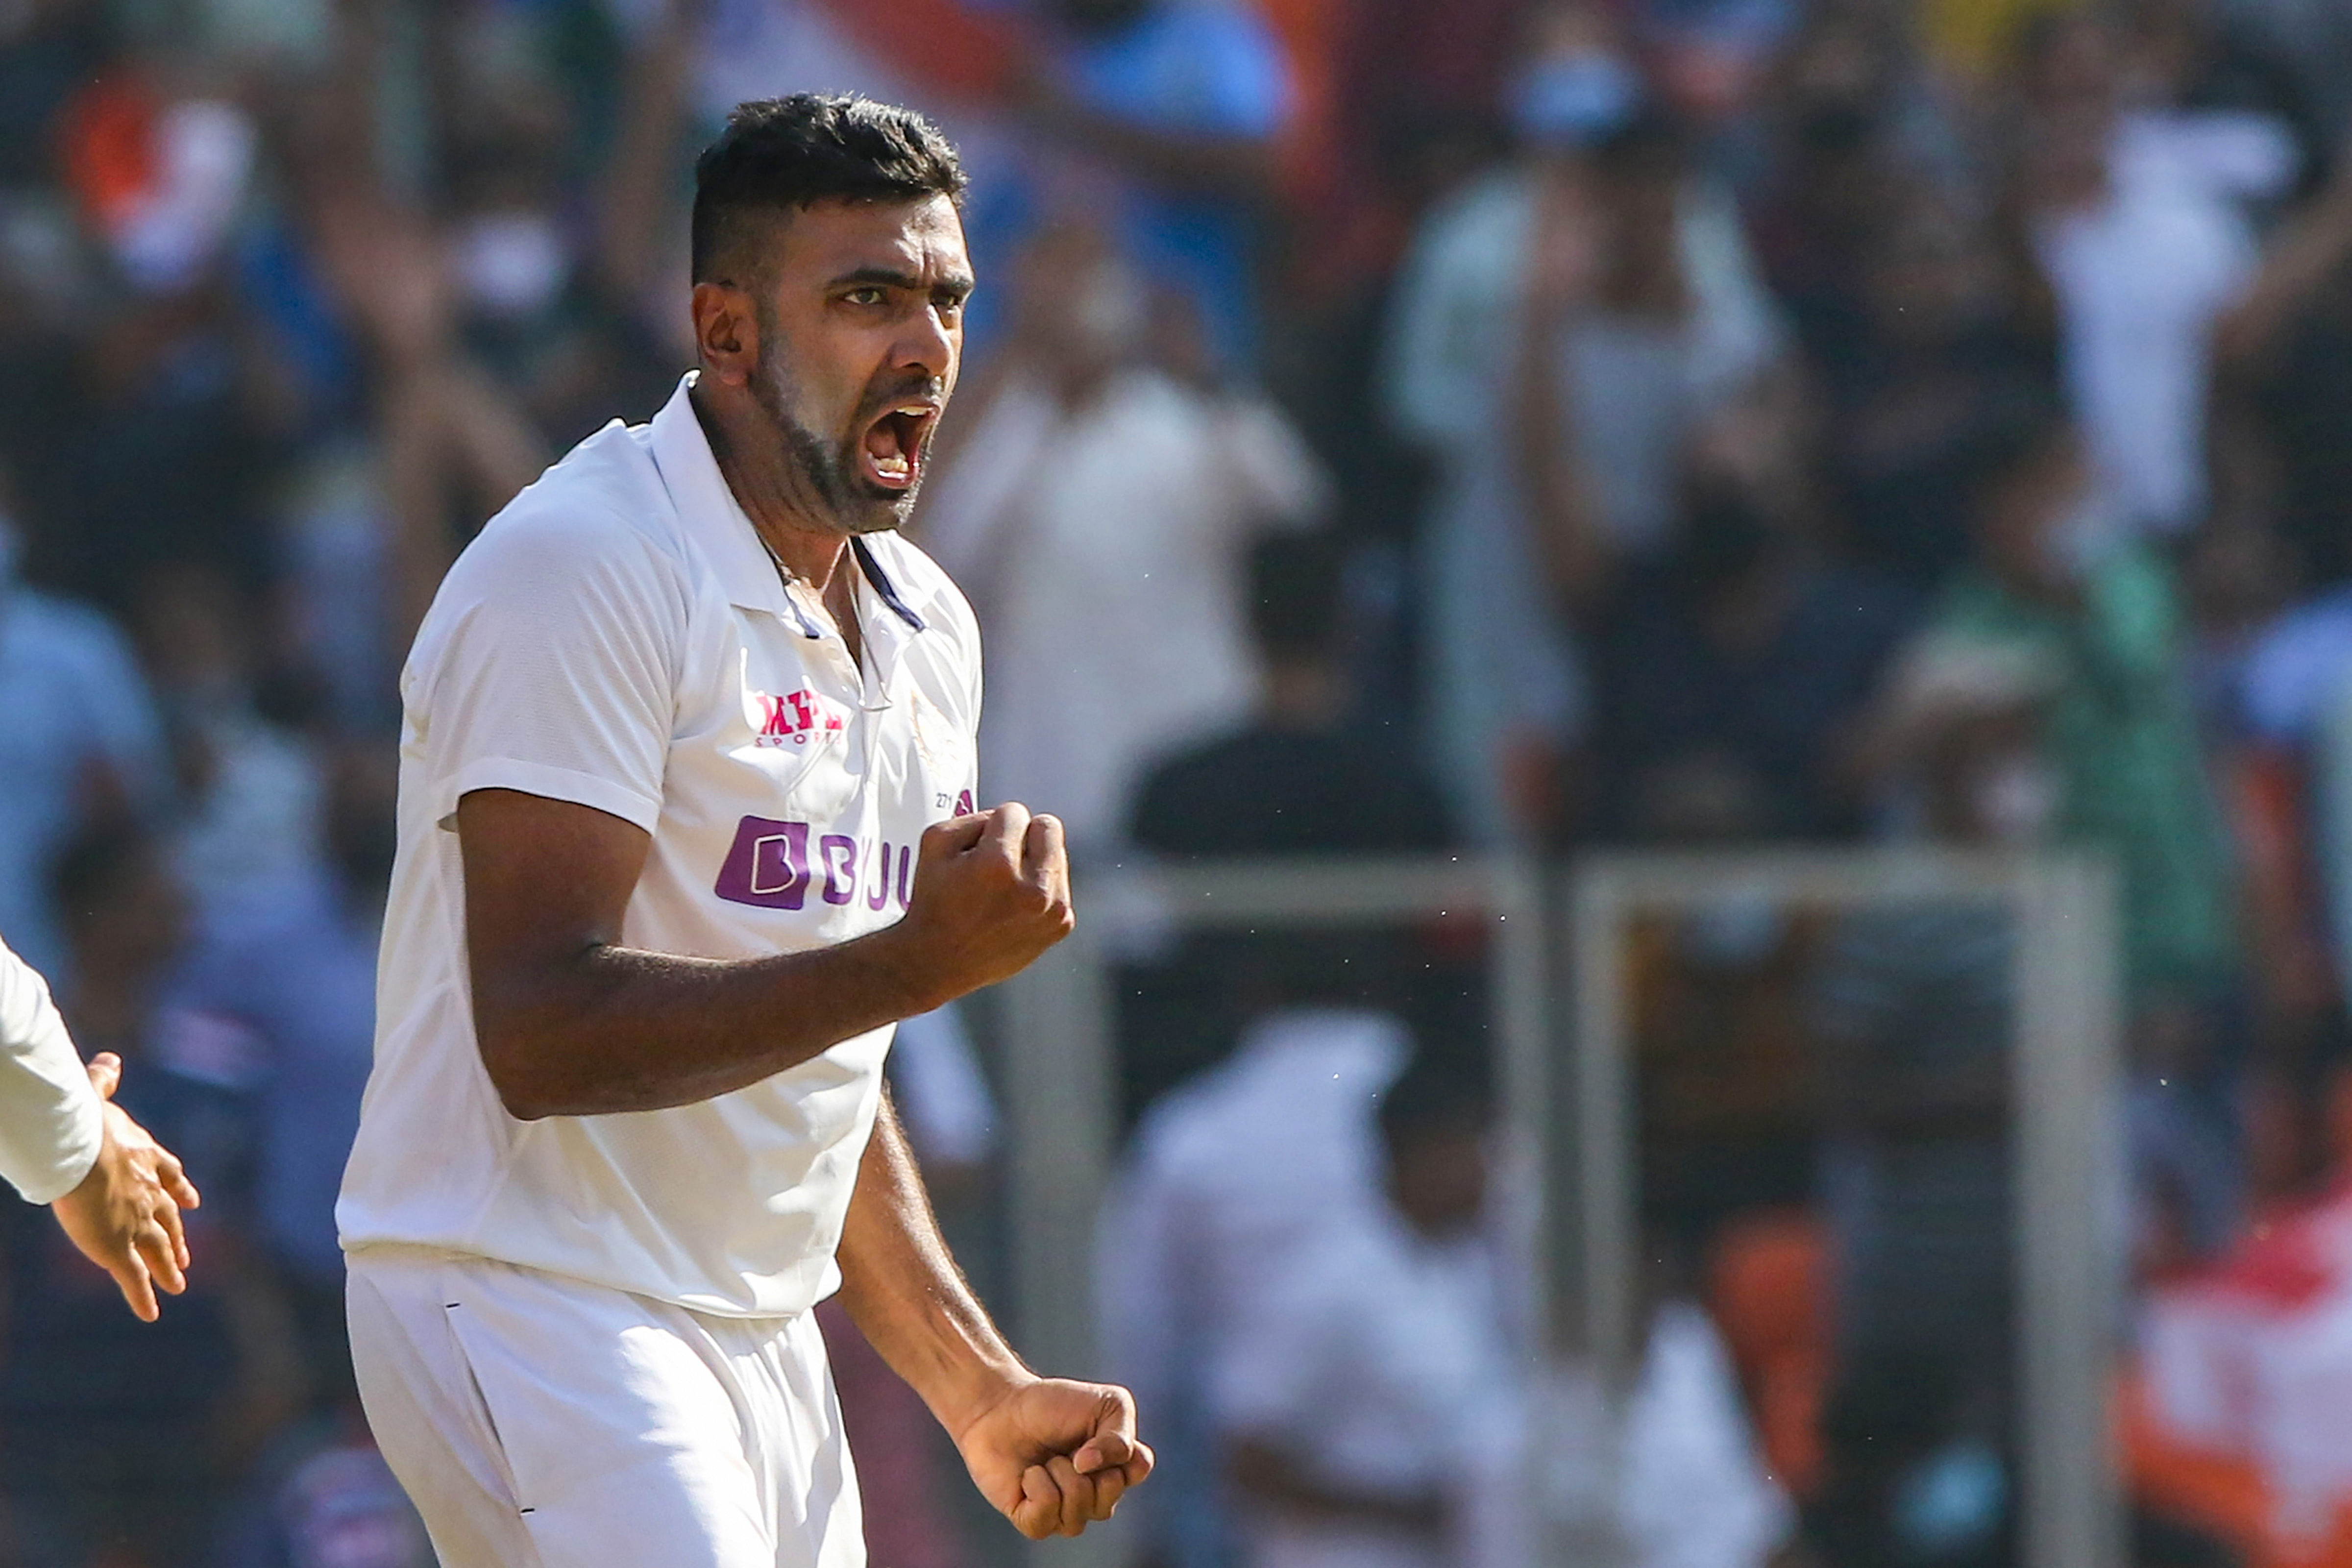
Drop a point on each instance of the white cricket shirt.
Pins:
(52, 1122)
(619, 637)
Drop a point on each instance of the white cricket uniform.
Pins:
(51, 1121)
(585, 1340)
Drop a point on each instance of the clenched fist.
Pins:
(991, 892)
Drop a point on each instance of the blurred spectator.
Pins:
(1729, 675)
(1098, 508)
(1694, 1489)
(1852, 133)
(1165, 115)
(1229, 1176)
(2120, 769)
(80, 745)
(1560, 327)
(1915, 1019)
(1937, 365)
(1368, 1394)
(2287, 350)
(2122, 739)
(117, 1436)
(2135, 226)
(1301, 776)
(253, 826)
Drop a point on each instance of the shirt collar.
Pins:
(707, 510)
(710, 514)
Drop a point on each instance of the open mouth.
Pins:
(894, 445)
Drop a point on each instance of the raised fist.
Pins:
(991, 892)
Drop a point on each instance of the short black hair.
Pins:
(783, 154)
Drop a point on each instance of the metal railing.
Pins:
(1557, 969)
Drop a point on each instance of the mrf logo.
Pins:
(795, 718)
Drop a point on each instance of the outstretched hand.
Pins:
(1053, 1456)
(125, 1215)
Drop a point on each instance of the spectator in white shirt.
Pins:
(1601, 270)
(1359, 1390)
(1230, 1175)
(2135, 223)
(1133, 497)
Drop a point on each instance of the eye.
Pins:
(870, 294)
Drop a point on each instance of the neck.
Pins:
(766, 484)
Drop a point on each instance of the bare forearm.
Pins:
(619, 1029)
(571, 1022)
(907, 1296)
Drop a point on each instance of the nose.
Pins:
(927, 344)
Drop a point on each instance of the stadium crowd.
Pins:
(1388, 426)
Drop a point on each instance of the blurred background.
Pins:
(1488, 431)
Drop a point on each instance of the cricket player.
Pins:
(117, 1193)
(686, 824)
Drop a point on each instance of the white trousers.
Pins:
(538, 1422)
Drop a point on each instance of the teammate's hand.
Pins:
(1053, 1456)
(125, 1215)
(991, 892)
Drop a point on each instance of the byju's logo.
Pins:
(795, 718)
(777, 865)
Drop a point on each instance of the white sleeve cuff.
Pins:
(551, 783)
(77, 1151)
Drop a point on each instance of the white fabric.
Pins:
(1694, 1492)
(51, 1121)
(1378, 1361)
(1106, 550)
(618, 637)
(1231, 1174)
(2140, 277)
(543, 1422)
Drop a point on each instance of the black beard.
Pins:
(829, 473)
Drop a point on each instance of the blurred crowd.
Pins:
(1388, 426)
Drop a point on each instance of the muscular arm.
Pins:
(907, 1295)
(571, 1023)
(1050, 1453)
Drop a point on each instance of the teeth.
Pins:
(918, 410)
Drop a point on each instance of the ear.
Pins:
(726, 333)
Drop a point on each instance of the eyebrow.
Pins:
(956, 283)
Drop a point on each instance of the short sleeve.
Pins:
(549, 665)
